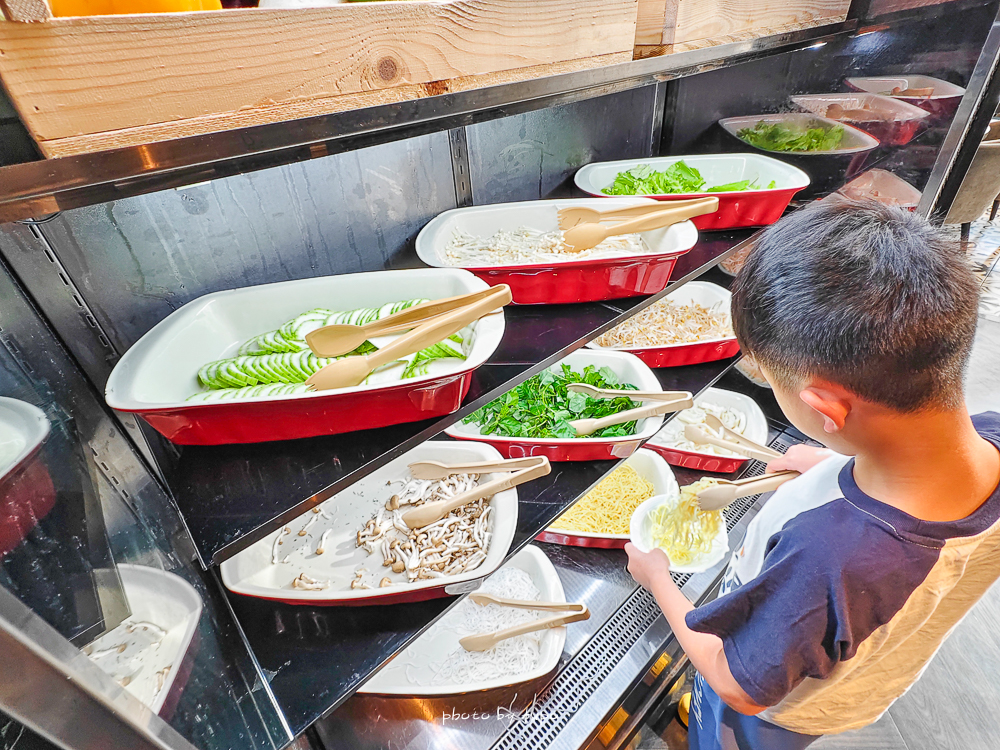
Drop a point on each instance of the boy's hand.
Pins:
(647, 567)
(799, 458)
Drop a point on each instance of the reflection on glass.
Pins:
(150, 652)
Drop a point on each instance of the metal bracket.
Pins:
(460, 167)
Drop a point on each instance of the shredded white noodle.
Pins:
(509, 658)
(665, 322)
(672, 434)
(523, 245)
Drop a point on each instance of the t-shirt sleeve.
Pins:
(789, 622)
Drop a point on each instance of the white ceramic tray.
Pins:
(703, 293)
(170, 602)
(442, 638)
(628, 368)
(885, 84)
(485, 221)
(641, 537)
(251, 572)
(648, 465)
(23, 428)
(161, 369)
(854, 141)
(756, 421)
(716, 169)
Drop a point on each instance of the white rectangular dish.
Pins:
(628, 368)
(557, 281)
(854, 141)
(252, 572)
(703, 293)
(151, 673)
(157, 375)
(943, 102)
(431, 648)
(648, 465)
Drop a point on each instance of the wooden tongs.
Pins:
(668, 401)
(585, 236)
(341, 338)
(570, 217)
(486, 641)
(523, 470)
(351, 371)
(729, 491)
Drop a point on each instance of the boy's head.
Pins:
(857, 300)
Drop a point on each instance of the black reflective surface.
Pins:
(233, 495)
(320, 655)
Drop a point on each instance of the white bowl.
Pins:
(442, 638)
(756, 421)
(641, 537)
(716, 169)
(485, 221)
(251, 572)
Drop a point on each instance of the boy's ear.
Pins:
(829, 402)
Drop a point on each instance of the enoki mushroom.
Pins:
(665, 322)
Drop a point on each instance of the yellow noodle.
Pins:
(608, 507)
(682, 529)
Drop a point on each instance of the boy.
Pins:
(861, 317)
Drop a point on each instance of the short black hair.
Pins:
(868, 296)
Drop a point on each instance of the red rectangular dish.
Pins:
(648, 465)
(893, 121)
(678, 355)
(550, 282)
(628, 369)
(160, 372)
(740, 208)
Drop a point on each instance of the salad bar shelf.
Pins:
(34, 189)
(234, 495)
(320, 655)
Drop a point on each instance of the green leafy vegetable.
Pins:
(775, 136)
(677, 178)
(542, 406)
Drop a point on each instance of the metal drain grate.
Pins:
(582, 676)
(578, 681)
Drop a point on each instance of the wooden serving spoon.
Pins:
(341, 338)
(351, 371)
(605, 393)
(438, 470)
(480, 598)
(570, 217)
(431, 512)
(585, 427)
(585, 236)
(696, 434)
(486, 641)
(729, 491)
